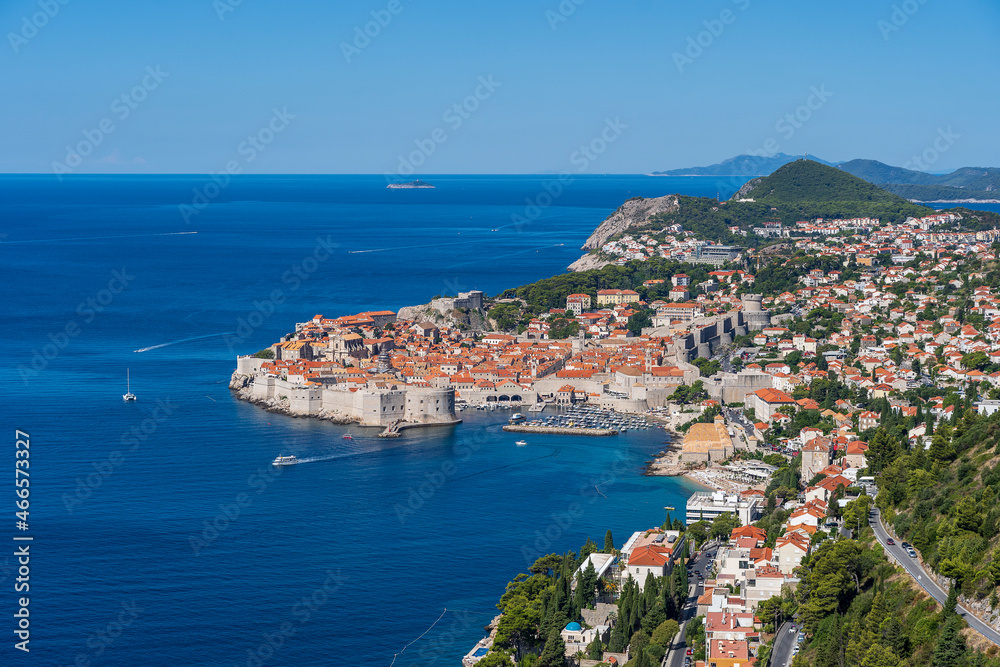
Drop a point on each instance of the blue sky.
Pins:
(893, 77)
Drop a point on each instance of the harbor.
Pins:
(558, 430)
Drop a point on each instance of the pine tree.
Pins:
(554, 653)
(950, 647)
(951, 603)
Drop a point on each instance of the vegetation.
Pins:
(549, 293)
(805, 189)
(266, 353)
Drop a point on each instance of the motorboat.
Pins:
(521, 443)
(284, 461)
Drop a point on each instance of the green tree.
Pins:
(723, 525)
(506, 315)
(266, 353)
(882, 450)
(665, 632)
(595, 649)
(586, 586)
(496, 659)
(554, 652)
(950, 648)
(588, 548)
(609, 542)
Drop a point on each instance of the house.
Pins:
(726, 653)
(855, 454)
(577, 638)
(766, 402)
(816, 455)
(578, 303)
(789, 551)
(868, 419)
(610, 297)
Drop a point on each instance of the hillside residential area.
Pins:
(817, 383)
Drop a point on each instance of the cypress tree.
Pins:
(609, 542)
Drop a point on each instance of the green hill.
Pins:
(807, 189)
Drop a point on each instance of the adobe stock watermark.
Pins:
(442, 643)
(121, 108)
(130, 441)
(562, 12)
(464, 449)
(297, 274)
(547, 538)
(31, 25)
(364, 34)
(302, 611)
(786, 125)
(230, 512)
(453, 117)
(581, 159)
(944, 140)
(87, 310)
(699, 43)
(105, 637)
(223, 7)
(247, 151)
(899, 16)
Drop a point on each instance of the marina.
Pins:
(588, 417)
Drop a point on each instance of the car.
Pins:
(890, 541)
(791, 630)
(913, 554)
(690, 651)
(906, 545)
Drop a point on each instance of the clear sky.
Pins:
(885, 80)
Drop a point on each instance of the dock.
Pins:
(559, 430)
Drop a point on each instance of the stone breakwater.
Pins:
(243, 389)
(559, 430)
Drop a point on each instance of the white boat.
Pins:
(284, 461)
(128, 395)
(521, 443)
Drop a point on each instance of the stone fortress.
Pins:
(366, 406)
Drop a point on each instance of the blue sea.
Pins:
(161, 534)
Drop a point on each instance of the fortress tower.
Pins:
(754, 315)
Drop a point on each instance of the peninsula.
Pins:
(849, 345)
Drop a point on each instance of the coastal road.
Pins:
(784, 642)
(914, 569)
(701, 562)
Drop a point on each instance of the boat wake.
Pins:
(184, 340)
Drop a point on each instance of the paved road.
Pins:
(913, 568)
(784, 642)
(675, 656)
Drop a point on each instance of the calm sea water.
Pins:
(161, 534)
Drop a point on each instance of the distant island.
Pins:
(411, 184)
(968, 184)
(745, 166)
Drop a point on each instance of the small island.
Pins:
(411, 184)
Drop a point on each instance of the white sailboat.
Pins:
(128, 396)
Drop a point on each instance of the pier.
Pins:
(559, 430)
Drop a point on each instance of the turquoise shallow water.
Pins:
(168, 506)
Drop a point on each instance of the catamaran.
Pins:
(128, 395)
